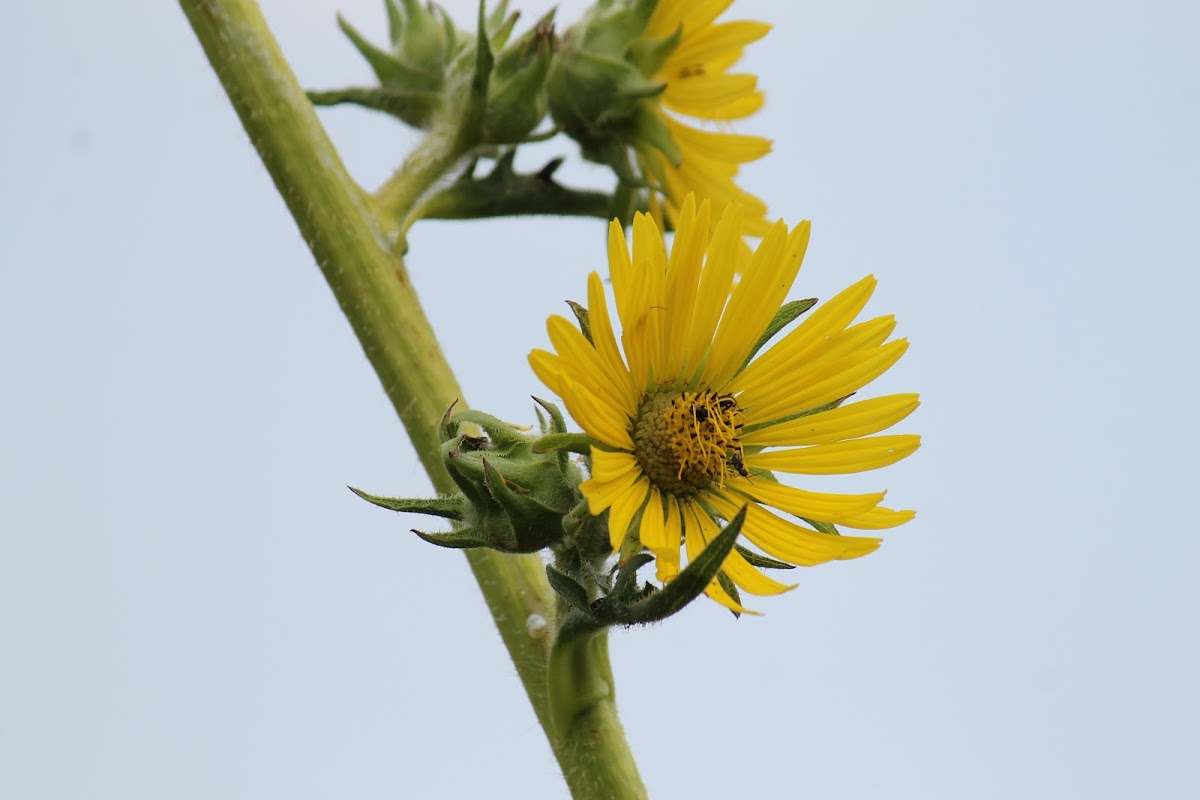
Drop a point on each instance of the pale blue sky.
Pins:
(193, 606)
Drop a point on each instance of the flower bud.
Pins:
(600, 87)
(412, 73)
(511, 498)
(516, 100)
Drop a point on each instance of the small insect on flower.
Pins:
(738, 465)
(677, 405)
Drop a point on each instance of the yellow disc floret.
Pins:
(684, 441)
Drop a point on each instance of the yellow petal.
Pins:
(789, 352)
(838, 379)
(742, 107)
(879, 518)
(715, 281)
(730, 148)
(612, 476)
(838, 458)
(667, 561)
(747, 577)
(700, 96)
(693, 15)
(625, 507)
(683, 277)
(650, 265)
(716, 40)
(653, 530)
(585, 366)
(845, 422)
(633, 285)
(548, 368)
(813, 505)
(820, 362)
(756, 299)
(599, 418)
(695, 546)
(792, 543)
(605, 341)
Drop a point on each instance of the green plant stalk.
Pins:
(583, 713)
(370, 284)
(518, 195)
(348, 240)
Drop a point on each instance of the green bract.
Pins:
(431, 69)
(511, 498)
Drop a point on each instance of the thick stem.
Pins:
(348, 240)
(370, 284)
(590, 741)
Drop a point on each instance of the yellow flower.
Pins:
(699, 85)
(689, 428)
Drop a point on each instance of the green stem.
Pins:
(584, 715)
(517, 195)
(345, 231)
(370, 284)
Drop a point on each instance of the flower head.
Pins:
(699, 85)
(690, 427)
(632, 71)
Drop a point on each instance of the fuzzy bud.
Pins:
(600, 87)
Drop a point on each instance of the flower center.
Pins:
(685, 441)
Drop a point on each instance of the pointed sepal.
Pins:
(583, 318)
(447, 507)
(465, 539)
(568, 589)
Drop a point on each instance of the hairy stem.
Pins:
(371, 285)
(583, 712)
(353, 239)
